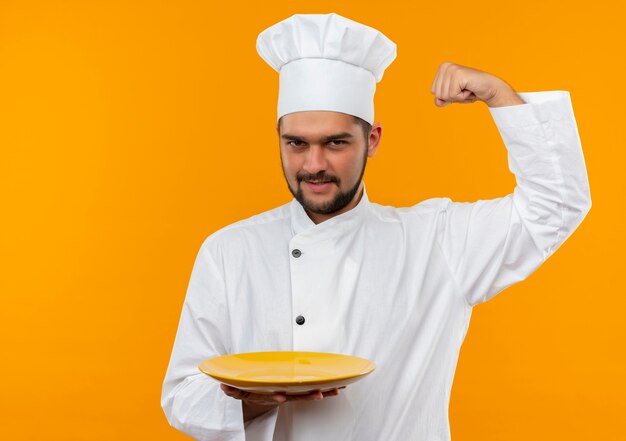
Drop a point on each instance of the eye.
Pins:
(295, 143)
(337, 142)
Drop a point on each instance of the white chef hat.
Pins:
(326, 62)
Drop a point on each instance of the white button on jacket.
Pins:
(393, 285)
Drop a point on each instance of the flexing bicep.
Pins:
(495, 243)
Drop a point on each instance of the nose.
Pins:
(315, 160)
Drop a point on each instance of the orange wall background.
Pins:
(130, 131)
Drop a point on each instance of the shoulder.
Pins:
(266, 226)
(426, 209)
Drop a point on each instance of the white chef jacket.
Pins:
(393, 285)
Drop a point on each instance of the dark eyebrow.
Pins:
(341, 135)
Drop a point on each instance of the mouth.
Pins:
(318, 186)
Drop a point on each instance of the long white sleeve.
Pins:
(492, 244)
(192, 401)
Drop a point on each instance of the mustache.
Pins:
(321, 176)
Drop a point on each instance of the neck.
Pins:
(318, 218)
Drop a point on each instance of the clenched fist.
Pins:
(455, 83)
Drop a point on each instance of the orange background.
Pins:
(130, 131)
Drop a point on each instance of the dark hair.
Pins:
(365, 126)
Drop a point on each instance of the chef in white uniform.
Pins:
(332, 271)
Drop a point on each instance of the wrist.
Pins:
(251, 411)
(503, 98)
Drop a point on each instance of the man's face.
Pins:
(323, 155)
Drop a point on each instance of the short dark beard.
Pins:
(341, 199)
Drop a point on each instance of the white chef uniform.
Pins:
(394, 285)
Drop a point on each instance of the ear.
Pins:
(374, 139)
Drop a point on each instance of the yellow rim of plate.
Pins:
(369, 370)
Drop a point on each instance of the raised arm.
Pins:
(492, 244)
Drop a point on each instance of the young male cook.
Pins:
(332, 271)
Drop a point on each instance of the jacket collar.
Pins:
(303, 226)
